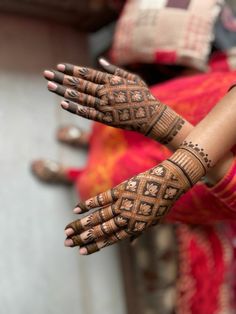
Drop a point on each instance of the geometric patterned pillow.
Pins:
(166, 32)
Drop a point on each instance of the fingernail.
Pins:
(83, 251)
(52, 86)
(68, 242)
(133, 243)
(69, 232)
(77, 210)
(104, 61)
(64, 104)
(61, 67)
(49, 74)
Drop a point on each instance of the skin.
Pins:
(215, 135)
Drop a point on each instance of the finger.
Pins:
(82, 111)
(97, 217)
(104, 242)
(99, 200)
(99, 231)
(72, 94)
(71, 81)
(111, 68)
(84, 72)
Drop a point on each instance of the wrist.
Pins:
(180, 136)
(192, 161)
(165, 125)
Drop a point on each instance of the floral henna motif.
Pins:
(158, 171)
(170, 193)
(145, 209)
(152, 189)
(132, 185)
(120, 221)
(74, 81)
(124, 115)
(127, 204)
(140, 113)
(83, 85)
(139, 226)
(116, 80)
(136, 96)
(129, 76)
(91, 75)
(108, 118)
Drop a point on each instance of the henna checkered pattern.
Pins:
(131, 105)
(129, 208)
(148, 197)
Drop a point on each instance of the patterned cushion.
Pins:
(165, 31)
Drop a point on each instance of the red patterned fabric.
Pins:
(206, 256)
(225, 190)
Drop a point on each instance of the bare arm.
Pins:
(216, 133)
(217, 172)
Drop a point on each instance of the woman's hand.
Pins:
(128, 209)
(120, 99)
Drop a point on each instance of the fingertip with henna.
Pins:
(77, 210)
(68, 242)
(103, 61)
(61, 67)
(64, 104)
(83, 251)
(69, 232)
(48, 74)
(107, 66)
(52, 86)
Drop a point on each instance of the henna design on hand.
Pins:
(138, 203)
(119, 99)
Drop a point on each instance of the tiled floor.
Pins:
(37, 274)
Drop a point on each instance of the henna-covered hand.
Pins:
(136, 204)
(116, 97)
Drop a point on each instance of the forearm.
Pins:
(216, 133)
(222, 117)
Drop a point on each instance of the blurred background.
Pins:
(37, 273)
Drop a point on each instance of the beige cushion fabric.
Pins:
(165, 31)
